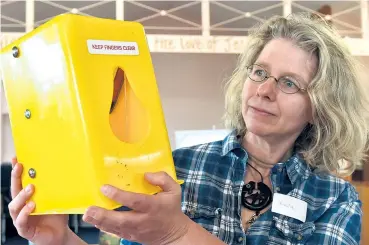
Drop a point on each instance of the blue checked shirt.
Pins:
(211, 196)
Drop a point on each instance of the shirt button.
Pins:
(240, 239)
(280, 169)
(299, 237)
(277, 189)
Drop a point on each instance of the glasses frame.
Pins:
(277, 80)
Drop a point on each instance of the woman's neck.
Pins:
(265, 153)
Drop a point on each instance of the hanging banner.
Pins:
(205, 44)
(197, 44)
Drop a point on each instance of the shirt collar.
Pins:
(231, 143)
(296, 167)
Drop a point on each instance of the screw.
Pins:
(32, 173)
(15, 52)
(27, 114)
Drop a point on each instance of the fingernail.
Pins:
(87, 219)
(28, 188)
(15, 167)
(91, 213)
(104, 189)
(30, 204)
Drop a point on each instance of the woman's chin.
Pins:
(259, 129)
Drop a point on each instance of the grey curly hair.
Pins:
(339, 132)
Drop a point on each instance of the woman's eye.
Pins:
(260, 73)
(290, 84)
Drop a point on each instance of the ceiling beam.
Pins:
(205, 17)
(287, 8)
(365, 19)
(30, 15)
(119, 9)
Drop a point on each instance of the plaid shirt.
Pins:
(211, 196)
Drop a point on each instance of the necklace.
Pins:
(256, 196)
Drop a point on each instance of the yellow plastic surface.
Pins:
(74, 139)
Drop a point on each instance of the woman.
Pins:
(296, 109)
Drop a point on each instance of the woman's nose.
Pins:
(268, 88)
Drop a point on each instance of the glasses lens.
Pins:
(288, 85)
(257, 73)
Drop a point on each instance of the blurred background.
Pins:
(194, 45)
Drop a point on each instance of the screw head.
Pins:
(27, 114)
(32, 173)
(15, 50)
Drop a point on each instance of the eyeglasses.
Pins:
(286, 84)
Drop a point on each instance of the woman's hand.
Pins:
(41, 230)
(154, 219)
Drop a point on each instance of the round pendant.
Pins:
(256, 199)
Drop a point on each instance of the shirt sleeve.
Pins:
(339, 225)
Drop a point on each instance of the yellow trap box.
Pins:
(85, 111)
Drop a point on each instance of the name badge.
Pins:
(289, 206)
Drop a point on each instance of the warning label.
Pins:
(112, 47)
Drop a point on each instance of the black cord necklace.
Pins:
(256, 196)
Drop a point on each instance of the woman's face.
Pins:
(266, 110)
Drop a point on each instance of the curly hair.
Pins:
(339, 131)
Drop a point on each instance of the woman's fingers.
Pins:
(16, 181)
(18, 208)
(136, 201)
(118, 223)
(18, 203)
(22, 221)
(14, 161)
(164, 181)
(106, 219)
